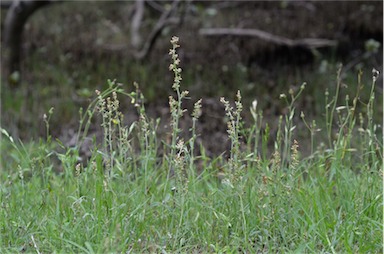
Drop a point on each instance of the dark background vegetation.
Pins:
(71, 48)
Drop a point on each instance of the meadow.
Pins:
(139, 194)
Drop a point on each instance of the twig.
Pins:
(35, 245)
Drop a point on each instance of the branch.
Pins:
(163, 21)
(136, 23)
(155, 5)
(279, 40)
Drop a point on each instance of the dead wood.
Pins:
(268, 37)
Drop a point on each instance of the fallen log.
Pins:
(310, 43)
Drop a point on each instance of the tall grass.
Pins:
(139, 194)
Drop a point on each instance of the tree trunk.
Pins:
(17, 16)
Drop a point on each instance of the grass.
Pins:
(138, 194)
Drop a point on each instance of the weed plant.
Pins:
(136, 194)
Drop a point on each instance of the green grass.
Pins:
(143, 195)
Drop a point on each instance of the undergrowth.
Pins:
(136, 193)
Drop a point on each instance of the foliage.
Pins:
(137, 194)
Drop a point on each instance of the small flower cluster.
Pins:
(175, 104)
(112, 120)
(234, 122)
(174, 66)
(197, 110)
(109, 108)
(294, 155)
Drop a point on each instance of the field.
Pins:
(137, 193)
